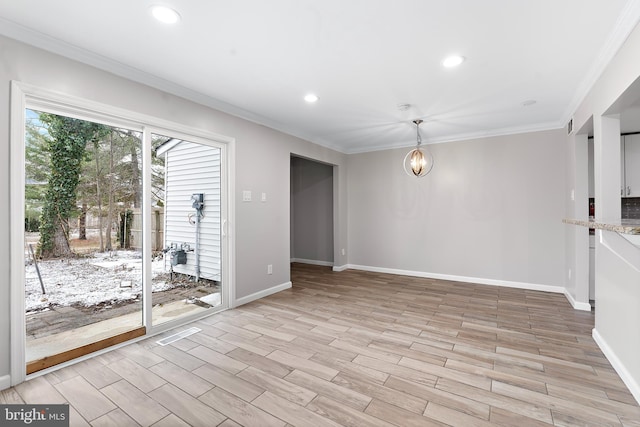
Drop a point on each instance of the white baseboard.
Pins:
(629, 381)
(584, 306)
(478, 280)
(339, 268)
(312, 262)
(261, 294)
(5, 382)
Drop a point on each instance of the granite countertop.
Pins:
(624, 226)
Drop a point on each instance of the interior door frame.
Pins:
(23, 96)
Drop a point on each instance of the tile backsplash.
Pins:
(631, 208)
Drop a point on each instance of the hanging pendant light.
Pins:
(419, 161)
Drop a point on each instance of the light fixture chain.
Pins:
(418, 137)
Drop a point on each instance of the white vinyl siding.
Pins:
(194, 168)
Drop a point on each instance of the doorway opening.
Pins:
(582, 278)
(312, 212)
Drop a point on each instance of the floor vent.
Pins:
(178, 336)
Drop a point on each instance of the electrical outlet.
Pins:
(270, 269)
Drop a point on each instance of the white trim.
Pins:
(228, 226)
(5, 382)
(619, 367)
(312, 262)
(147, 285)
(466, 279)
(261, 294)
(339, 268)
(16, 242)
(466, 136)
(169, 145)
(584, 306)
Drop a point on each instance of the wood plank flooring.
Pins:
(357, 349)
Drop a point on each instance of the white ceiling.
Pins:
(257, 59)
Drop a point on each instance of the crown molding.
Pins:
(539, 127)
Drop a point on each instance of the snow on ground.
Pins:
(103, 277)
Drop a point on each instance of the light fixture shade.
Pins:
(419, 161)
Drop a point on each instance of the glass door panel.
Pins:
(186, 228)
(83, 252)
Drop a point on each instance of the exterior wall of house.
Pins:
(194, 168)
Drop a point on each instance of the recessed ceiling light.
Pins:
(165, 14)
(453, 61)
(311, 98)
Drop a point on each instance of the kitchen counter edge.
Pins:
(625, 226)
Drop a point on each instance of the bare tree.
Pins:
(110, 196)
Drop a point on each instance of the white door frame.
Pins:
(25, 96)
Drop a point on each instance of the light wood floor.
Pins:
(357, 349)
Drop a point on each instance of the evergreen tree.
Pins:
(36, 170)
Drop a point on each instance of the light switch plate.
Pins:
(246, 196)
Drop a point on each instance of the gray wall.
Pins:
(490, 208)
(311, 211)
(263, 157)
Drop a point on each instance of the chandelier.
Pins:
(419, 161)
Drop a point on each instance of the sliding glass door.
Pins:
(119, 230)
